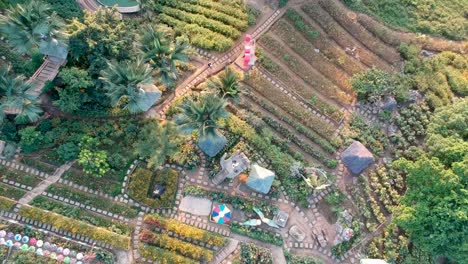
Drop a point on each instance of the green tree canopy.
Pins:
(227, 85)
(157, 142)
(31, 25)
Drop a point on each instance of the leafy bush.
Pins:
(67, 9)
(185, 156)
(175, 245)
(252, 254)
(142, 182)
(263, 236)
(371, 136)
(155, 221)
(76, 227)
(68, 151)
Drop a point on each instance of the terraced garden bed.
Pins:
(288, 104)
(11, 192)
(93, 200)
(306, 72)
(110, 184)
(19, 176)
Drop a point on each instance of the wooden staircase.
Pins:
(47, 72)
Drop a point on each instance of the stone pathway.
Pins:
(41, 187)
(136, 238)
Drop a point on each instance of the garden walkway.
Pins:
(41, 187)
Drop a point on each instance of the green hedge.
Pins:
(143, 180)
(263, 236)
(76, 227)
(163, 256)
(6, 204)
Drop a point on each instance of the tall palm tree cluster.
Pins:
(31, 26)
(127, 83)
(15, 99)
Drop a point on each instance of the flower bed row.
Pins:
(307, 73)
(254, 233)
(371, 136)
(327, 48)
(240, 24)
(280, 162)
(237, 202)
(340, 35)
(370, 41)
(172, 225)
(19, 176)
(386, 193)
(309, 95)
(162, 256)
(6, 204)
(227, 7)
(294, 40)
(75, 227)
(199, 36)
(11, 192)
(288, 104)
(82, 215)
(104, 184)
(328, 146)
(175, 245)
(284, 131)
(142, 182)
(95, 201)
(202, 21)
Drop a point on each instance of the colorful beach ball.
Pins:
(16, 245)
(2, 241)
(32, 241)
(9, 243)
(39, 252)
(66, 260)
(18, 237)
(66, 252)
(24, 247)
(53, 255)
(46, 246)
(53, 247)
(60, 258)
(39, 243)
(32, 249)
(79, 256)
(221, 214)
(59, 249)
(2, 233)
(25, 239)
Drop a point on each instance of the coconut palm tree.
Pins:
(202, 116)
(227, 86)
(129, 84)
(162, 55)
(15, 99)
(31, 25)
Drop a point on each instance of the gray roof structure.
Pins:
(260, 179)
(232, 167)
(357, 157)
(212, 144)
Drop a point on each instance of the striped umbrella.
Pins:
(221, 214)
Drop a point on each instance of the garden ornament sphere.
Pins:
(66, 252)
(24, 247)
(39, 252)
(18, 237)
(32, 241)
(9, 243)
(46, 246)
(59, 249)
(46, 253)
(66, 260)
(2, 233)
(10, 235)
(25, 239)
(79, 256)
(53, 255)
(16, 245)
(39, 243)
(2, 241)
(32, 249)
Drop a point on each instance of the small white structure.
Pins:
(373, 261)
(260, 179)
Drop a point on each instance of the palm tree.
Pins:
(127, 85)
(202, 116)
(157, 142)
(31, 25)
(162, 55)
(227, 86)
(15, 99)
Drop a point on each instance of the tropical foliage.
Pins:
(227, 85)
